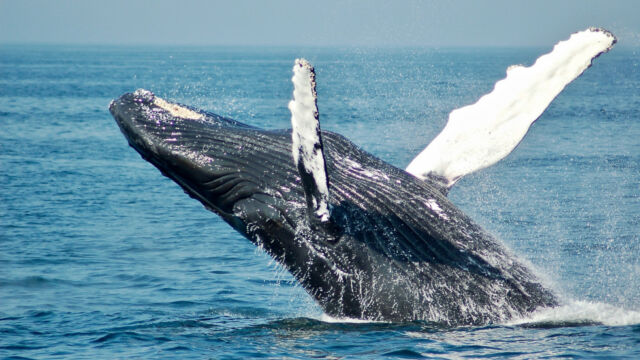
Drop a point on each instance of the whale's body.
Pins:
(400, 250)
(367, 240)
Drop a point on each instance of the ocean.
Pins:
(103, 257)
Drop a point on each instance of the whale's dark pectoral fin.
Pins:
(307, 142)
(479, 135)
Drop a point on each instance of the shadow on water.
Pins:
(559, 324)
(304, 324)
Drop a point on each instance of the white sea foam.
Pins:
(330, 319)
(578, 311)
(574, 312)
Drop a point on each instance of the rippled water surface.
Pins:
(103, 257)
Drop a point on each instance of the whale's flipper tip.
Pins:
(307, 149)
(606, 33)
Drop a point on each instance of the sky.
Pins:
(376, 23)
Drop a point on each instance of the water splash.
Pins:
(330, 319)
(578, 312)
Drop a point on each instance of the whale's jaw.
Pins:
(199, 151)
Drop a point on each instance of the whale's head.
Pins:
(235, 170)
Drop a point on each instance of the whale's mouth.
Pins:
(233, 169)
(196, 149)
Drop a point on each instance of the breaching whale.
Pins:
(365, 239)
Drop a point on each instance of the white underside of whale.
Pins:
(306, 143)
(479, 135)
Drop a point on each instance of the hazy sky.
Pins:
(319, 22)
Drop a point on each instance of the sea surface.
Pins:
(101, 257)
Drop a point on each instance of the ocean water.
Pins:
(103, 257)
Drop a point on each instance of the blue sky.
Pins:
(325, 23)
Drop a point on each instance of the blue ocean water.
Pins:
(103, 257)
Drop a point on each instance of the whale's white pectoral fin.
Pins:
(479, 135)
(307, 149)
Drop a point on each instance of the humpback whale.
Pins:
(365, 239)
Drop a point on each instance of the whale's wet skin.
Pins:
(401, 250)
(365, 239)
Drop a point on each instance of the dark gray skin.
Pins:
(396, 249)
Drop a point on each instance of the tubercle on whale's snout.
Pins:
(143, 95)
(128, 102)
(154, 105)
(140, 96)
